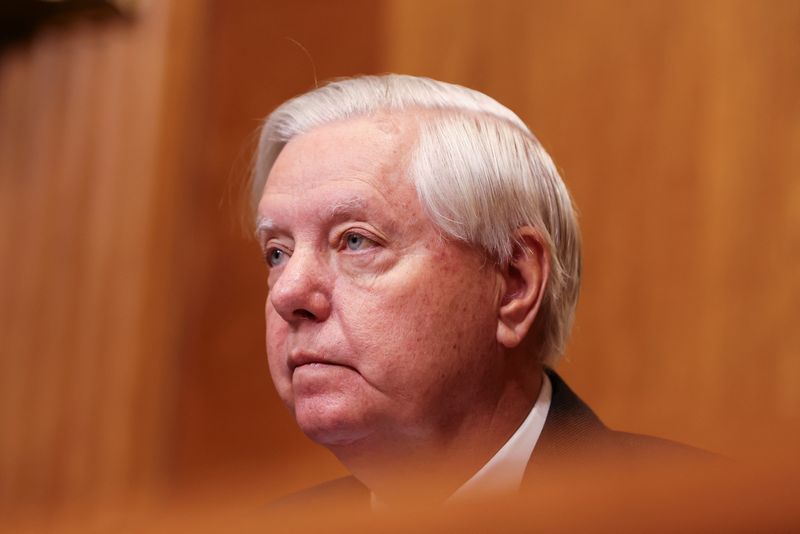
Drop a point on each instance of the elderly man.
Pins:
(424, 267)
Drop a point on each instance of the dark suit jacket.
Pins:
(571, 433)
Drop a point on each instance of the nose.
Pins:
(302, 292)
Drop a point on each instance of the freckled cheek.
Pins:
(407, 336)
(453, 308)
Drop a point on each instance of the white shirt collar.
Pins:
(504, 471)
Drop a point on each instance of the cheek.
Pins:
(276, 328)
(423, 328)
(276, 335)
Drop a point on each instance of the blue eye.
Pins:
(275, 257)
(354, 241)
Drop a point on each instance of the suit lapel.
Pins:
(571, 428)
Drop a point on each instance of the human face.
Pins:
(378, 328)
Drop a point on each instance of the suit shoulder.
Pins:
(640, 445)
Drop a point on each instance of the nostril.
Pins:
(305, 314)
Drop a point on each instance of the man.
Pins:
(424, 267)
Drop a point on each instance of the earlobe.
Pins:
(525, 278)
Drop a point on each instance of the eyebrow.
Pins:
(338, 209)
(345, 207)
(263, 224)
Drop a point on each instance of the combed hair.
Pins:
(478, 170)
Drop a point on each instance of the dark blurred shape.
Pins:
(19, 19)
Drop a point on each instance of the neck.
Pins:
(430, 468)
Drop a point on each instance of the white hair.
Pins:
(478, 170)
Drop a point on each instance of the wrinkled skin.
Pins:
(380, 333)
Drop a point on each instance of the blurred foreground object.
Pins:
(660, 496)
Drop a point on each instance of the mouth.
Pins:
(299, 359)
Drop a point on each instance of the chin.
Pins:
(329, 425)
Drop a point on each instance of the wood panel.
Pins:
(677, 127)
(88, 150)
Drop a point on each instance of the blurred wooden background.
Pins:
(131, 302)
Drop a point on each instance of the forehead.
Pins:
(346, 162)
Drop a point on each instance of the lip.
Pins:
(299, 358)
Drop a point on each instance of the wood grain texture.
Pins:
(677, 127)
(83, 109)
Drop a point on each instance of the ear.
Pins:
(524, 280)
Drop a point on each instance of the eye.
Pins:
(355, 241)
(275, 256)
